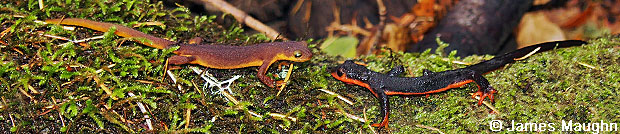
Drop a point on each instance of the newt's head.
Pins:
(349, 71)
(352, 73)
(296, 51)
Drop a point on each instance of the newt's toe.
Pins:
(483, 95)
(380, 125)
(383, 124)
(280, 83)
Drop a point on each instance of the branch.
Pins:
(244, 18)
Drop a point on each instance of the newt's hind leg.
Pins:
(427, 72)
(385, 109)
(484, 88)
(397, 70)
(176, 59)
(195, 40)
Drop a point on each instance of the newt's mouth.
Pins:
(339, 75)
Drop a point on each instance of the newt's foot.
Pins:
(268, 82)
(484, 94)
(380, 125)
(280, 83)
(383, 124)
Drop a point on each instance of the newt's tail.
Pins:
(500, 61)
(122, 31)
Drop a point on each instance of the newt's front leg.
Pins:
(385, 109)
(484, 88)
(261, 74)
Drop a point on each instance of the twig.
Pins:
(255, 114)
(297, 7)
(230, 98)
(88, 39)
(101, 70)
(55, 37)
(4, 32)
(590, 66)
(347, 28)
(143, 110)
(59, 113)
(487, 104)
(528, 54)
(13, 121)
(244, 18)
(165, 69)
(431, 128)
(188, 114)
(282, 116)
(360, 119)
(10, 115)
(102, 85)
(174, 78)
(41, 5)
(26, 93)
(374, 38)
(365, 118)
(456, 61)
(34, 91)
(382, 13)
(337, 95)
(286, 79)
(3, 103)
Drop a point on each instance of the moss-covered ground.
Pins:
(53, 85)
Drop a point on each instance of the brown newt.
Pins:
(212, 56)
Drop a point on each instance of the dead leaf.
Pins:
(397, 36)
(536, 28)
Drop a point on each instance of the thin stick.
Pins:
(360, 119)
(431, 128)
(590, 66)
(143, 110)
(372, 129)
(59, 115)
(244, 18)
(10, 115)
(281, 116)
(382, 12)
(102, 86)
(188, 114)
(529, 54)
(41, 5)
(337, 95)
(288, 75)
(13, 121)
(487, 104)
(174, 79)
(26, 93)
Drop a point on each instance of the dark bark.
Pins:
(477, 27)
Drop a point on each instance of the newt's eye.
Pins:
(297, 54)
(339, 72)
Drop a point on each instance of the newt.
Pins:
(389, 84)
(212, 56)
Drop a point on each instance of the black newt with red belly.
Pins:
(383, 85)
